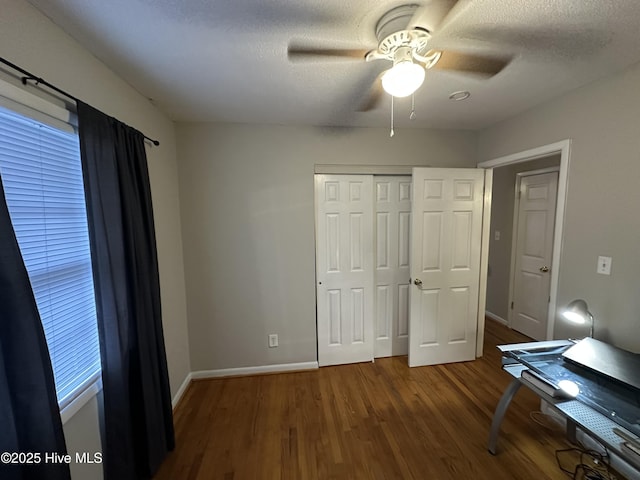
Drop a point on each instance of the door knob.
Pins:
(417, 282)
(544, 269)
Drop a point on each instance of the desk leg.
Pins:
(571, 431)
(501, 409)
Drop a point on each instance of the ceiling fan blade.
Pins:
(363, 95)
(541, 40)
(373, 99)
(430, 16)
(309, 53)
(470, 63)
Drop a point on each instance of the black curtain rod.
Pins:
(40, 81)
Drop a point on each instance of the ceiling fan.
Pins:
(404, 34)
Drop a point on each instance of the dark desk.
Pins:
(603, 408)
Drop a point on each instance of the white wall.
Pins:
(601, 218)
(29, 39)
(246, 194)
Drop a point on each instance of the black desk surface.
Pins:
(615, 399)
(600, 357)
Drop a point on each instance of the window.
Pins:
(42, 178)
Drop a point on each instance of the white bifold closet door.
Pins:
(375, 232)
(447, 297)
(344, 268)
(391, 245)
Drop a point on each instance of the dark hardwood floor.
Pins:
(379, 420)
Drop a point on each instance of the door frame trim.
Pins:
(484, 260)
(335, 169)
(563, 148)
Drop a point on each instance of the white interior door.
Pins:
(392, 243)
(446, 246)
(533, 248)
(344, 268)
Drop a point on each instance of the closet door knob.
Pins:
(544, 269)
(417, 282)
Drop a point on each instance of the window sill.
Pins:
(81, 400)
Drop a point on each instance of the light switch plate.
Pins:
(604, 265)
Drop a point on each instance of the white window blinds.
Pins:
(42, 178)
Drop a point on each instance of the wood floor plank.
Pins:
(380, 420)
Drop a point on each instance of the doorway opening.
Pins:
(503, 260)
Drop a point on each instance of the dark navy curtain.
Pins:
(137, 416)
(30, 425)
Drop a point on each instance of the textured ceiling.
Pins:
(226, 60)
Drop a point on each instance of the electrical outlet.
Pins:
(604, 265)
(497, 235)
(273, 340)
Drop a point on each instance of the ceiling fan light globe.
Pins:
(403, 79)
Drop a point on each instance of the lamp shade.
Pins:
(578, 312)
(403, 79)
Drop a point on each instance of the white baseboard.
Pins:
(495, 317)
(232, 372)
(178, 396)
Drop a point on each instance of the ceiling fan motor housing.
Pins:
(396, 42)
(395, 20)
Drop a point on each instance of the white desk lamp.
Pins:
(578, 312)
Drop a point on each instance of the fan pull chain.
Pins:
(412, 115)
(392, 133)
